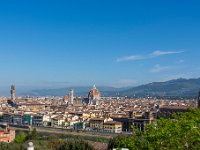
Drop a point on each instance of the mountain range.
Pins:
(178, 88)
(79, 90)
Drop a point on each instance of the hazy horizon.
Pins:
(23, 89)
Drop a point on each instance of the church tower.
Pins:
(71, 96)
(12, 92)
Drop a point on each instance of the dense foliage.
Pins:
(33, 135)
(20, 138)
(49, 142)
(11, 146)
(56, 144)
(180, 132)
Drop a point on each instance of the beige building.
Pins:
(58, 121)
(96, 123)
(112, 127)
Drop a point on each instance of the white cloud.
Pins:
(154, 54)
(130, 58)
(161, 53)
(157, 68)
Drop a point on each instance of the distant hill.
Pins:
(179, 88)
(79, 90)
(186, 88)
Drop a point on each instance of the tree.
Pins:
(182, 131)
(33, 134)
(20, 138)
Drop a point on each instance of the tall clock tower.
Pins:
(12, 92)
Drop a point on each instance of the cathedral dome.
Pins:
(94, 93)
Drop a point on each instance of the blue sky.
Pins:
(103, 42)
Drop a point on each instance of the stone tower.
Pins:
(71, 96)
(12, 92)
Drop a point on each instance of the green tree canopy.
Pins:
(182, 131)
(33, 134)
(20, 138)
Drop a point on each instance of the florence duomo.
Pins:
(94, 96)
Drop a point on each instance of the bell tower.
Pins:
(12, 92)
(71, 96)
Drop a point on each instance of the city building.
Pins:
(137, 119)
(37, 120)
(47, 120)
(85, 101)
(143, 120)
(6, 134)
(17, 119)
(168, 111)
(112, 127)
(58, 121)
(78, 101)
(27, 119)
(7, 118)
(96, 123)
(79, 125)
(126, 123)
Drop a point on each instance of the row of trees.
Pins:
(180, 132)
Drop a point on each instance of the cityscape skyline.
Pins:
(58, 44)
